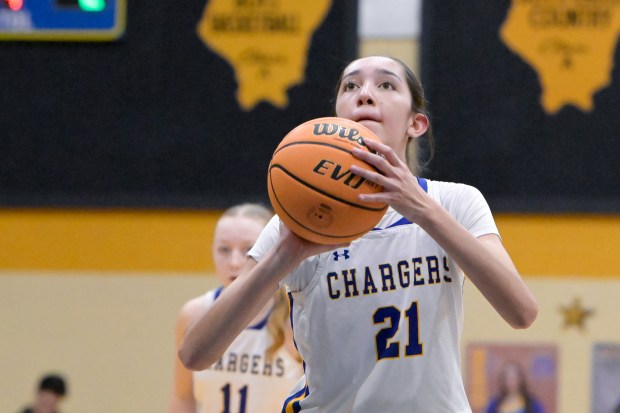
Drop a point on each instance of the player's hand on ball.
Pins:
(400, 187)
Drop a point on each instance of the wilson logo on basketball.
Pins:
(330, 129)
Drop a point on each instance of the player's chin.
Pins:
(373, 125)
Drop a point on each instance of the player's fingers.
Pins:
(387, 152)
(369, 175)
(376, 160)
(379, 197)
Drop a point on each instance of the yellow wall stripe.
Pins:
(127, 240)
(107, 240)
(563, 245)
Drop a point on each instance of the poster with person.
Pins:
(519, 377)
(606, 378)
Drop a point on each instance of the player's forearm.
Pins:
(213, 332)
(487, 265)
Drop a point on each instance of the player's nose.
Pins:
(365, 96)
(237, 258)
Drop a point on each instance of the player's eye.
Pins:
(387, 86)
(349, 86)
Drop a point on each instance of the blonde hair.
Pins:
(279, 315)
(249, 210)
(277, 321)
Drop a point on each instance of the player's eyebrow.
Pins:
(378, 71)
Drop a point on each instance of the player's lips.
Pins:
(367, 117)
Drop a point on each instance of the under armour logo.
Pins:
(345, 254)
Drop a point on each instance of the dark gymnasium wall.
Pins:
(150, 120)
(490, 127)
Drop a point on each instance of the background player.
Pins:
(381, 329)
(50, 393)
(261, 366)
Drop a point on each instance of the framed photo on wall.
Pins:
(606, 378)
(493, 371)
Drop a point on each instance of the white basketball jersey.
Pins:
(244, 380)
(378, 323)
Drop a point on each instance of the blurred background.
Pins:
(127, 127)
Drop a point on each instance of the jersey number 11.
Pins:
(243, 394)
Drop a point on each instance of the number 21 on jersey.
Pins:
(391, 315)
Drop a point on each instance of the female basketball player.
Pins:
(378, 322)
(261, 366)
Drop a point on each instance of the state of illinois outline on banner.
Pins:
(569, 43)
(265, 41)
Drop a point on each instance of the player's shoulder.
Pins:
(448, 192)
(446, 187)
(197, 304)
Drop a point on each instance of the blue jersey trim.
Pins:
(290, 315)
(402, 221)
(291, 404)
(291, 301)
(423, 183)
(261, 324)
(218, 292)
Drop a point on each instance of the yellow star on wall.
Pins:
(575, 314)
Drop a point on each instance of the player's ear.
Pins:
(418, 126)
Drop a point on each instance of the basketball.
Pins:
(311, 186)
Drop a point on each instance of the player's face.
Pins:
(374, 92)
(512, 378)
(233, 238)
